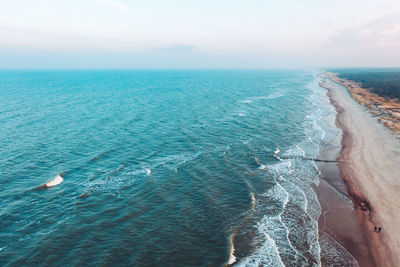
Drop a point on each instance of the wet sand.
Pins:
(371, 180)
(341, 239)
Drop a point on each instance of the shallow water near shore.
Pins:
(175, 168)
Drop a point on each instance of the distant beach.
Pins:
(386, 109)
(371, 173)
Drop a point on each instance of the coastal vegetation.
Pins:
(382, 83)
(387, 109)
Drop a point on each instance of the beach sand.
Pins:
(372, 177)
(340, 236)
(386, 109)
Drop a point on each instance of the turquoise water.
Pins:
(180, 168)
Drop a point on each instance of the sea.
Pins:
(160, 167)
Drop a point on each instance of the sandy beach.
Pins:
(372, 176)
(341, 239)
(387, 110)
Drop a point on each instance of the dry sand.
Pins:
(387, 109)
(372, 175)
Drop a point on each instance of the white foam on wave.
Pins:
(335, 253)
(266, 255)
(172, 162)
(138, 172)
(114, 182)
(280, 229)
(294, 193)
(272, 242)
(286, 167)
(232, 258)
(253, 201)
(283, 223)
(276, 153)
(305, 206)
(276, 94)
(274, 233)
(303, 153)
(314, 126)
(318, 127)
(273, 95)
(56, 181)
(262, 167)
(321, 109)
(281, 167)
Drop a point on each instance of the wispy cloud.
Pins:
(383, 32)
(113, 3)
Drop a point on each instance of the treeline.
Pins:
(386, 84)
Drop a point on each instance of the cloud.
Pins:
(383, 32)
(113, 3)
(374, 43)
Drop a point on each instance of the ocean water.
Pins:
(160, 168)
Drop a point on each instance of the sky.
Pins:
(199, 33)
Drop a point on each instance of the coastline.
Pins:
(341, 240)
(387, 110)
(372, 153)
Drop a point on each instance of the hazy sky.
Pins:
(199, 33)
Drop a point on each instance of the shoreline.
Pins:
(387, 110)
(370, 178)
(338, 236)
(346, 224)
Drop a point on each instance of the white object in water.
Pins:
(56, 181)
